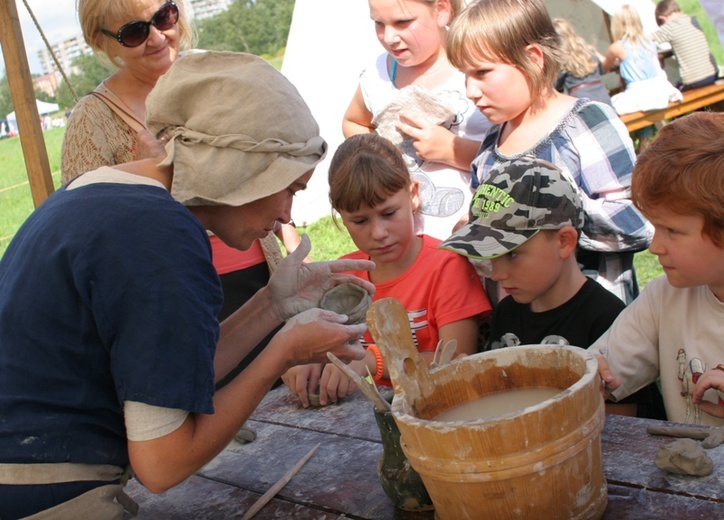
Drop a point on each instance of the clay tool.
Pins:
(444, 354)
(266, 497)
(710, 437)
(367, 388)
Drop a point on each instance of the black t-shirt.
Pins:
(578, 322)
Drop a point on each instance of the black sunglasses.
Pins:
(135, 33)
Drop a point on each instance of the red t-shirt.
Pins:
(227, 259)
(439, 288)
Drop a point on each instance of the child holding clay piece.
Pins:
(526, 221)
(371, 189)
(674, 329)
(412, 95)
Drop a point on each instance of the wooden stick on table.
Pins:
(266, 497)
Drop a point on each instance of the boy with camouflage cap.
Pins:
(525, 219)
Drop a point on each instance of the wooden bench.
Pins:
(693, 100)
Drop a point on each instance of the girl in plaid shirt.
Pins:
(510, 54)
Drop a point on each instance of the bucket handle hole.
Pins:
(408, 365)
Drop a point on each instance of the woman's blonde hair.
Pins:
(95, 15)
(626, 25)
(577, 53)
(366, 169)
(502, 30)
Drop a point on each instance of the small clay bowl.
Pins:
(349, 299)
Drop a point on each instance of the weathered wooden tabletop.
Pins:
(340, 480)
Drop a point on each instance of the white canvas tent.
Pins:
(330, 41)
(43, 108)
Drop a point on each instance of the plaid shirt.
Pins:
(593, 148)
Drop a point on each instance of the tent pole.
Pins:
(23, 97)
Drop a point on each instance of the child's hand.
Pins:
(303, 380)
(609, 381)
(710, 379)
(335, 385)
(432, 142)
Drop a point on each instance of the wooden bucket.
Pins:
(540, 462)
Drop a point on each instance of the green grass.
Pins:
(15, 196)
(647, 268)
(328, 240)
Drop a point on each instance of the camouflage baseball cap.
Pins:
(519, 198)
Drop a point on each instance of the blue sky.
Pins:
(58, 21)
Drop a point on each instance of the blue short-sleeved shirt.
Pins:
(107, 294)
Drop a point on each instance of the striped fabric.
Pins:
(690, 48)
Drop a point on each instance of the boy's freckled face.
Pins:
(531, 270)
(688, 258)
(500, 91)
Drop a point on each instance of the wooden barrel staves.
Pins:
(543, 461)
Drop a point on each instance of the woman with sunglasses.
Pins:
(141, 39)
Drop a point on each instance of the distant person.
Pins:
(510, 53)
(371, 189)
(581, 68)
(526, 219)
(637, 60)
(110, 343)
(697, 67)
(399, 95)
(674, 329)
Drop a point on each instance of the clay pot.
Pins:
(349, 299)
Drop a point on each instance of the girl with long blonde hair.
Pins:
(647, 87)
(581, 67)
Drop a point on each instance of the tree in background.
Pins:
(92, 72)
(259, 27)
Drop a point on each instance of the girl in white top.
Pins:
(413, 33)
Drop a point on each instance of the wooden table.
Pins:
(340, 480)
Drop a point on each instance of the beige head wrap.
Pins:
(239, 130)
